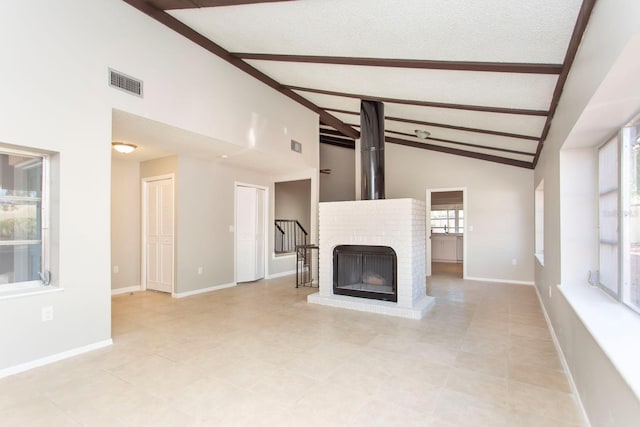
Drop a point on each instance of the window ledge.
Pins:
(284, 255)
(613, 326)
(28, 291)
(540, 258)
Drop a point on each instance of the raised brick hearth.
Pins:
(396, 223)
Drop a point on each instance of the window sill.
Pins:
(613, 326)
(540, 258)
(28, 291)
(284, 255)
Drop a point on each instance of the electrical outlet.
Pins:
(200, 270)
(514, 262)
(116, 269)
(47, 313)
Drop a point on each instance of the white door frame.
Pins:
(267, 227)
(428, 227)
(143, 229)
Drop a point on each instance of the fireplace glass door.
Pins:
(365, 271)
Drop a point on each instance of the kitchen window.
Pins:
(23, 219)
(447, 219)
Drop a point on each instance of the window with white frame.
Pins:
(447, 219)
(23, 219)
(619, 216)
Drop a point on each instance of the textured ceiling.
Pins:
(484, 78)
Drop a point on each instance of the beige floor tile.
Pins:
(485, 387)
(546, 403)
(491, 365)
(546, 378)
(460, 409)
(526, 419)
(259, 355)
(528, 331)
(385, 413)
(37, 412)
(488, 346)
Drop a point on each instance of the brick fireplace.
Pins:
(398, 224)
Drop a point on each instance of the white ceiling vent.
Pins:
(126, 83)
(296, 146)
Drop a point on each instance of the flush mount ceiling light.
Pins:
(422, 134)
(123, 147)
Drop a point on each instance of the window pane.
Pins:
(631, 282)
(19, 219)
(438, 214)
(608, 166)
(440, 223)
(609, 218)
(630, 189)
(21, 175)
(20, 263)
(608, 173)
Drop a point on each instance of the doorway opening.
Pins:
(446, 232)
(292, 210)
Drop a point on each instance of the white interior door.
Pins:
(159, 235)
(250, 233)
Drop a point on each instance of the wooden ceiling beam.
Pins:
(493, 67)
(572, 50)
(458, 152)
(465, 144)
(193, 4)
(338, 142)
(333, 132)
(197, 38)
(485, 109)
(444, 126)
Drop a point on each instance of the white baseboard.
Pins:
(53, 358)
(203, 290)
(284, 273)
(513, 282)
(128, 289)
(563, 361)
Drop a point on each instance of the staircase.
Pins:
(289, 233)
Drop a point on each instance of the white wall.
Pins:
(206, 209)
(340, 184)
(125, 224)
(570, 217)
(499, 206)
(56, 56)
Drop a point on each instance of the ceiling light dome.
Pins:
(123, 147)
(422, 134)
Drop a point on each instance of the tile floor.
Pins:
(258, 354)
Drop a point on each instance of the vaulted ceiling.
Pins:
(482, 77)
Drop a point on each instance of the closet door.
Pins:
(250, 233)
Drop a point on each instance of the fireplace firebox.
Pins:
(365, 272)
